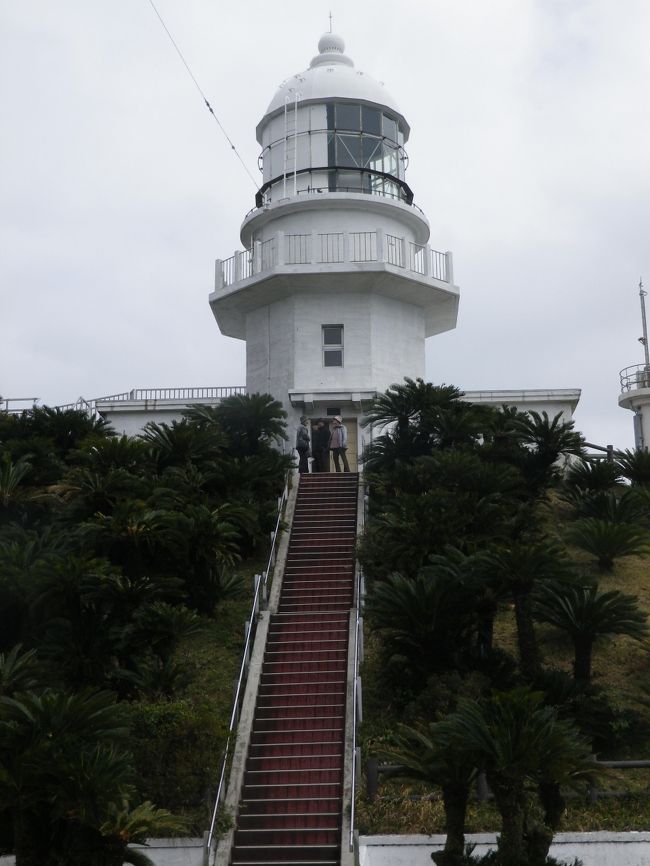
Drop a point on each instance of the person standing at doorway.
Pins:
(320, 446)
(302, 447)
(339, 444)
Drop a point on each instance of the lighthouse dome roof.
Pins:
(332, 75)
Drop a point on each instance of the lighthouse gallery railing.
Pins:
(333, 248)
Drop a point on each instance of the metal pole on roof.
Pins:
(644, 338)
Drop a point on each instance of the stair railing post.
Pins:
(264, 591)
(206, 848)
(235, 703)
(359, 702)
(256, 586)
(247, 657)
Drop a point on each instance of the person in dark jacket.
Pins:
(320, 441)
(302, 446)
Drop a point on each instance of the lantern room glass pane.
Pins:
(370, 120)
(390, 128)
(348, 150)
(372, 153)
(390, 159)
(318, 142)
(277, 159)
(348, 116)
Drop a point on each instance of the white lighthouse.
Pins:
(336, 288)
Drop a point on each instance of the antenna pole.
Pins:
(646, 349)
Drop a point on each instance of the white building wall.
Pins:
(551, 401)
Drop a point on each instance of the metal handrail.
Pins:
(355, 692)
(274, 535)
(261, 581)
(635, 376)
(355, 698)
(321, 190)
(374, 769)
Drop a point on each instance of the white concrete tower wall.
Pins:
(285, 348)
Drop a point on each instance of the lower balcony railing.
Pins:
(333, 248)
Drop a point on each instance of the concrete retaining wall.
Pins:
(163, 852)
(594, 849)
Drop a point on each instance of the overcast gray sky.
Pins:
(529, 153)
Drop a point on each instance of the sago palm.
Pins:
(609, 506)
(425, 754)
(607, 541)
(585, 614)
(48, 746)
(518, 570)
(251, 422)
(11, 478)
(407, 403)
(635, 466)
(594, 476)
(19, 671)
(426, 622)
(524, 748)
(546, 440)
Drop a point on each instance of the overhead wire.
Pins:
(198, 87)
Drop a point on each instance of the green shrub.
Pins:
(177, 749)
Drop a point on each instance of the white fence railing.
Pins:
(16, 405)
(363, 246)
(395, 251)
(333, 248)
(178, 395)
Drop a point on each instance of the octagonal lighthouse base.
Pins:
(290, 342)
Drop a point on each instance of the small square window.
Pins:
(333, 357)
(332, 338)
(332, 335)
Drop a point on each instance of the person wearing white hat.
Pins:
(339, 444)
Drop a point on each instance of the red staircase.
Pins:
(291, 803)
